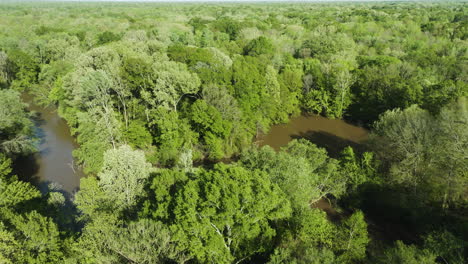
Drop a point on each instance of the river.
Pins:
(53, 163)
(331, 134)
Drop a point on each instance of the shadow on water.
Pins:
(332, 134)
(26, 168)
(332, 143)
(67, 213)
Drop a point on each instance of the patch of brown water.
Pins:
(332, 134)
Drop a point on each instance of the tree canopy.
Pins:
(168, 104)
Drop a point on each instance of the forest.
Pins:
(166, 104)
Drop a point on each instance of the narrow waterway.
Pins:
(331, 134)
(53, 163)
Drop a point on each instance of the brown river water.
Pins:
(53, 163)
(331, 134)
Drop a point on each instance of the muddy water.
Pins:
(332, 134)
(53, 163)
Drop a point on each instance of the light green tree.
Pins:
(352, 238)
(171, 81)
(123, 175)
(107, 240)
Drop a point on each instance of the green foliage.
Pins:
(313, 228)
(424, 154)
(301, 169)
(24, 69)
(106, 37)
(171, 82)
(227, 210)
(302, 255)
(137, 135)
(228, 26)
(123, 175)
(91, 200)
(210, 64)
(190, 85)
(144, 241)
(39, 236)
(15, 125)
(171, 135)
(259, 46)
(352, 238)
(446, 246)
(5, 166)
(13, 192)
(93, 143)
(25, 236)
(207, 121)
(402, 253)
(358, 170)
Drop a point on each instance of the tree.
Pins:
(302, 254)
(26, 236)
(352, 238)
(445, 246)
(208, 122)
(14, 192)
(171, 82)
(426, 152)
(451, 148)
(15, 126)
(228, 26)
(385, 83)
(171, 134)
(90, 90)
(343, 81)
(358, 170)
(35, 239)
(223, 101)
(304, 171)
(123, 175)
(410, 254)
(226, 214)
(106, 37)
(22, 68)
(91, 199)
(4, 78)
(259, 46)
(316, 97)
(406, 132)
(210, 64)
(93, 140)
(110, 241)
(138, 135)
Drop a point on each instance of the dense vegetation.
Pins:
(165, 102)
